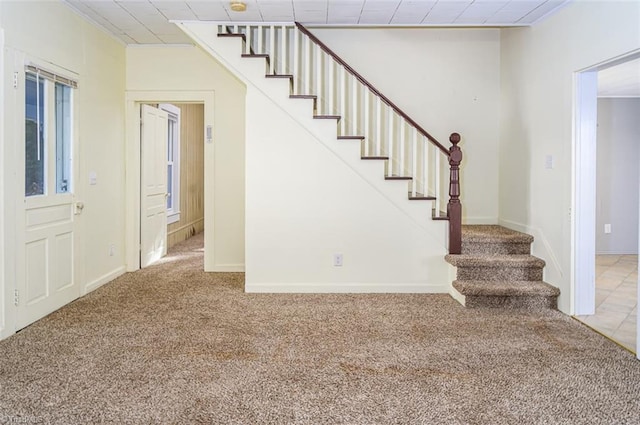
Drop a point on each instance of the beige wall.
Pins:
(537, 107)
(51, 35)
(191, 174)
(185, 68)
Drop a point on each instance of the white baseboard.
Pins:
(347, 288)
(105, 278)
(227, 268)
(616, 253)
(457, 296)
(6, 333)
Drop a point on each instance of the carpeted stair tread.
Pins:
(493, 233)
(495, 261)
(496, 270)
(505, 288)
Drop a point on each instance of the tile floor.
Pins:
(616, 299)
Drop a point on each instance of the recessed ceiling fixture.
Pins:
(238, 6)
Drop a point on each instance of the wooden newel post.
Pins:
(454, 207)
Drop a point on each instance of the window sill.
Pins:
(173, 217)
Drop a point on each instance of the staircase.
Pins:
(496, 269)
(286, 60)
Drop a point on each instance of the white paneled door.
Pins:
(153, 217)
(46, 248)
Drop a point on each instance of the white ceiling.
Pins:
(620, 81)
(147, 21)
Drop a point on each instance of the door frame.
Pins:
(583, 245)
(133, 99)
(583, 229)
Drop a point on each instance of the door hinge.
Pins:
(15, 80)
(16, 297)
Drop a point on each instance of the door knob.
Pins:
(79, 206)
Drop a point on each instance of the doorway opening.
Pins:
(172, 176)
(178, 192)
(607, 199)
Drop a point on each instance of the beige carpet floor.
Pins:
(174, 345)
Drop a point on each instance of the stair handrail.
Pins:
(371, 87)
(454, 153)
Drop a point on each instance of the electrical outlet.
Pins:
(337, 260)
(112, 250)
(607, 228)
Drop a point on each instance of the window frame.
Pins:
(42, 125)
(173, 112)
(50, 134)
(63, 148)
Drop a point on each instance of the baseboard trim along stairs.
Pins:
(496, 269)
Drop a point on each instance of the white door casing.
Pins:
(134, 101)
(153, 218)
(584, 205)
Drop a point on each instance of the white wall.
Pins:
(618, 160)
(189, 69)
(305, 204)
(537, 70)
(50, 33)
(445, 79)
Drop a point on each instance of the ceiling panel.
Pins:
(344, 12)
(209, 11)
(514, 11)
(175, 10)
(139, 7)
(480, 11)
(147, 21)
(446, 12)
(541, 11)
(380, 5)
(412, 12)
(378, 11)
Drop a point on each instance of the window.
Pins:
(34, 136)
(48, 125)
(173, 162)
(63, 137)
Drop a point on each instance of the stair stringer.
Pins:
(389, 243)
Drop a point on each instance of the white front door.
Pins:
(153, 217)
(45, 276)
